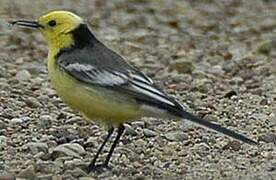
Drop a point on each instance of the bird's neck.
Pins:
(76, 39)
(56, 45)
(83, 36)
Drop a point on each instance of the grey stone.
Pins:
(44, 177)
(140, 124)
(90, 142)
(45, 121)
(23, 75)
(149, 133)
(68, 149)
(28, 173)
(32, 102)
(86, 178)
(130, 130)
(268, 138)
(16, 121)
(7, 176)
(177, 136)
(3, 142)
(36, 147)
(78, 172)
(182, 66)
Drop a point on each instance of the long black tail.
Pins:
(218, 128)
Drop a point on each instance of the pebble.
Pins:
(2, 124)
(7, 176)
(216, 70)
(140, 124)
(16, 121)
(177, 136)
(32, 102)
(230, 94)
(90, 142)
(68, 149)
(44, 177)
(71, 164)
(4, 85)
(182, 66)
(45, 121)
(268, 138)
(78, 172)
(39, 155)
(3, 142)
(36, 147)
(149, 133)
(265, 47)
(45, 167)
(234, 145)
(28, 173)
(86, 178)
(130, 130)
(23, 75)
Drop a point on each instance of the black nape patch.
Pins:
(83, 36)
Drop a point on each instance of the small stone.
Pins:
(45, 121)
(229, 66)
(45, 167)
(90, 142)
(36, 147)
(264, 102)
(7, 176)
(2, 125)
(78, 172)
(39, 155)
(57, 177)
(177, 136)
(182, 66)
(37, 80)
(32, 102)
(71, 164)
(3, 140)
(16, 121)
(86, 178)
(231, 93)
(68, 149)
(130, 130)
(216, 70)
(140, 124)
(268, 138)
(234, 145)
(28, 173)
(23, 75)
(265, 47)
(4, 85)
(140, 143)
(149, 133)
(45, 177)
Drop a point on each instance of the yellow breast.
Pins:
(96, 103)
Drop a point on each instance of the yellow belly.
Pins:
(97, 104)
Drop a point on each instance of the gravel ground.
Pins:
(217, 57)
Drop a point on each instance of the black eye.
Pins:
(52, 23)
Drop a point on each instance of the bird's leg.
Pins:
(92, 165)
(121, 129)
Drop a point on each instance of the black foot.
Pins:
(98, 168)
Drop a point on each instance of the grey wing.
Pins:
(128, 81)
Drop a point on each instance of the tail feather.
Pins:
(218, 128)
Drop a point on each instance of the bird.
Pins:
(101, 85)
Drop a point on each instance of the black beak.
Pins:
(26, 23)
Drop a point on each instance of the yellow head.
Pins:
(56, 27)
(57, 24)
